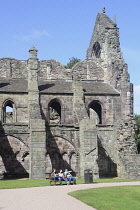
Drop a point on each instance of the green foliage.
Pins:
(72, 62)
(110, 198)
(137, 118)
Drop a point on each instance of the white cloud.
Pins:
(137, 99)
(34, 34)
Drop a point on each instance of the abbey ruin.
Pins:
(79, 118)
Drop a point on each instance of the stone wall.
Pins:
(127, 150)
(52, 69)
(13, 68)
(87, 70)
(48, 69)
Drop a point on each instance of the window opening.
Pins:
(97, 50)
(8, 112)
(95, 112)
(55, 113)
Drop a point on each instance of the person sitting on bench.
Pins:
(54, 174)
(62, 177)
(70, 178)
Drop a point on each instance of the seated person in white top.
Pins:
(62, 177)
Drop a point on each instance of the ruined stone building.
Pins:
(79, 118)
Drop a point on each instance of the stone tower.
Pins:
(105, 49)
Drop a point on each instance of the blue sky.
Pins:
(61, 29)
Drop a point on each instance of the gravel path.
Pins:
(49, 198)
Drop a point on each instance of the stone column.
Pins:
(36, 123)
(88, 147)
(78, 101)
(88, 133)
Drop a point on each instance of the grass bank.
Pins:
(110, 198)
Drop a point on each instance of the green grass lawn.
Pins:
(9, 184)
(110, 198)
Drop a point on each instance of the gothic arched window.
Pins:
(95, 112)
(54, 112)
(96, 50)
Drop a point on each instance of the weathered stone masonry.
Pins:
(79, 118)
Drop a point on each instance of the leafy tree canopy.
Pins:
(72, 62)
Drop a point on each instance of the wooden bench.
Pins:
(53, 179)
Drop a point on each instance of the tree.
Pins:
(72, 62)
(137, 118)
